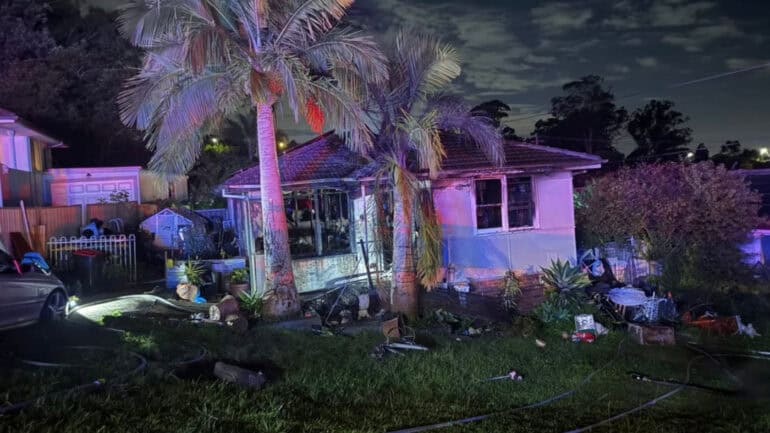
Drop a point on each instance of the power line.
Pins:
(671, 86)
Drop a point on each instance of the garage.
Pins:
(87, 185)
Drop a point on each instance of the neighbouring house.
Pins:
(758, 248)
(25, 155)
(519, 216)
(89, 185)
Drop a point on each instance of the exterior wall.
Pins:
(88, 185)
(315, 273)
(490, 255)
(154, 187)
(758, 249)
(16, 155)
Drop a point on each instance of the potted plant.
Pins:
(239, 282)
(193, 274)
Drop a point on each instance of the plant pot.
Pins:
(236, 289)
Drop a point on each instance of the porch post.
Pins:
(251, 253)
(317, 218)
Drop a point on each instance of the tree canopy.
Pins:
(659, 132)
(585, 119)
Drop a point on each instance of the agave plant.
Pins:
(561, 276)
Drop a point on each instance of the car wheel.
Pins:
(55, 308)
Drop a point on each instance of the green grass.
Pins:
(331, 384)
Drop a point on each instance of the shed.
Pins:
(167, 223)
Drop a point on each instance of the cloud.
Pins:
(619, 69)
(632, 42)
(629, 15)
(701, 37)
(560, 17)
(647, 62)
(546, 60)
(743, 63)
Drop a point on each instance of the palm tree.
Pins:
(413, 119)
(207, 60)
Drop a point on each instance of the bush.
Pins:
(691, 217)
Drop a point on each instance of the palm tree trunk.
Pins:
(404, 274)
(281, 299)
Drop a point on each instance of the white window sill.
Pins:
(501, 231)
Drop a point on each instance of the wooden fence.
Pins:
(58, 221)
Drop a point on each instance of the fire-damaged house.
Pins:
(516, 217)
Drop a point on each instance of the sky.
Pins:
(523, 51)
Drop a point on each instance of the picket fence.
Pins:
(120, 253)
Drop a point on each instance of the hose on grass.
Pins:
(673, 391)
(97, 383)
(540, 403)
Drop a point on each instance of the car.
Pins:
(29, 293)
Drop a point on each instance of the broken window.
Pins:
(319, 222)
(489, 204)
(520, 209)
(504, 203)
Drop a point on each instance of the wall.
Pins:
(489, 255)
(154, 187)
(758, 249)
(22, 152)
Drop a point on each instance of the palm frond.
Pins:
(306, 20)
(429, 259)
(423, 66)
(351, 50)
(145, 23)
(456, 118)
(424, 138)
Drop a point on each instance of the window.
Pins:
(520, 209)
(314, 216)
(489, 204)
(512, 194)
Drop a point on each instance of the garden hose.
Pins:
(509, 411)
(142, 364)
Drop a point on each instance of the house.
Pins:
(25, 155)
(519, 216)
(89, 185)
(757, 250)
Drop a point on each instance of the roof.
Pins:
(190, 215)
(323, 158)
(9, 120)
(326, 158)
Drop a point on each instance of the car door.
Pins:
(21, 299)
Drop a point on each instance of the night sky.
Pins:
(521, 52)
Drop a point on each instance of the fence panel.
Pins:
(120, 251)
(127, 211)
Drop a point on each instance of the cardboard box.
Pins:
(652, 334)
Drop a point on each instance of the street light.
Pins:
(690, 155)
(763, 151)
(214, 140)
(282, 145)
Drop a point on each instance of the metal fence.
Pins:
(120, 253)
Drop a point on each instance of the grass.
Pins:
(331, 384)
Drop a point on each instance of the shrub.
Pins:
(691, 217)
(239, 276)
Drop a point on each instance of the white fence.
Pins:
(120, 253)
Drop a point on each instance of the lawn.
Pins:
(332, 384)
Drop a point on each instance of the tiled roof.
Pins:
(323, 158)
(465, 156)
(327, 158)
(7, 114)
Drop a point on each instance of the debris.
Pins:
(652, 334)
(601, 330)
(627, 296)
(512, 375)
(728, 325)
(539, 343)
(227, 306)
(240, 376)
(395, 348)
(187, 291)
(237, 322)
(585, 323)
(583, 337)
(363, 306)
(390, 328)
(565, 335)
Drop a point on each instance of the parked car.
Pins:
(28, 294)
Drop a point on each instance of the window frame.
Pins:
(503, 179)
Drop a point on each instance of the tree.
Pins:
(585, 119)
(63, 72)
(692, 218)
(659, 133)
(207, 60)
(414, 120)
(732, 155)
(701, 153)
(496, 111)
